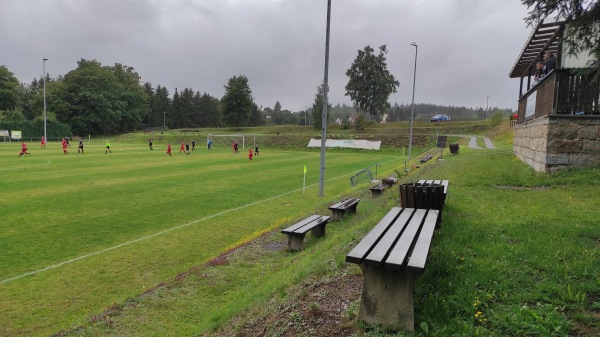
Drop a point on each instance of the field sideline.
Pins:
(90, 230)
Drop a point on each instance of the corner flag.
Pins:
(304, 182)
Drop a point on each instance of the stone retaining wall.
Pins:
(555, 142)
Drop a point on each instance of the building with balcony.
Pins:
(558, 123)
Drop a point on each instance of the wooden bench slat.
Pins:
(399, 252)
(364, 246)
(302, 223)
(445, 183)
(420, 252)
(382, 248)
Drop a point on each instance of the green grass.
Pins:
(519, 247)
(138, 217)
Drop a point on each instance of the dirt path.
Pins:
(486, 140)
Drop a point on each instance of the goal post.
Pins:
(225, 141)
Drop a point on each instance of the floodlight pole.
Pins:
(44, 79)
(412, 110)
(324, 112)
(487, 101)
(164, 120)
(305, 115)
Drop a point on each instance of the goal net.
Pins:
(226, 141)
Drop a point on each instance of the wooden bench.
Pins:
(314, 223)
(426, 158)
(377, 190)
(389, 181)
(392, 255)
(339, 210)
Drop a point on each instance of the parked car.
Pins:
(440, 118)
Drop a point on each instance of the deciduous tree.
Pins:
(237, 103)
(370, 84)
(10, 90)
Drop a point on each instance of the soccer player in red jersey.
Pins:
(250, 154)
(64, 146)
(23, 149)
(169, 149)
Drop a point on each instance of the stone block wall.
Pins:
(555, 142)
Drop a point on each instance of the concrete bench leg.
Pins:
(337, 214)
(318, 230)
(352, 209)
(376, 193)
(388, 298)
(295, 241)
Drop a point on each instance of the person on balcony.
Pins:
(549, 62)
(539, 72)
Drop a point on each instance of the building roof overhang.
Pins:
(544, 38)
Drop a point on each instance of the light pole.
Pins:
(44, 79)
(412, 110)
(487, 101)
(324, 113)
(305, 115)
(164, 119)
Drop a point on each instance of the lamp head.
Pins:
(414, 44)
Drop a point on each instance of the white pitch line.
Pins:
(161, 232)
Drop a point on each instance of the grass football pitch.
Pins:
(80, 232)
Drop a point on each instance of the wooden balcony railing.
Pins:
(561, 93)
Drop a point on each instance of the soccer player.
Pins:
(43, 143)
(256, 150)
(169, 149)
(182, 147)
(193, 145)
(150, 143)
(64, 146)
(250, 154)
(107, 148)
(209, 144)
(23, 149)
(187, 148)
(235, 147)
(80, 147)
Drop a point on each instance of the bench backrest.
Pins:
(445, 183)
(422, 196)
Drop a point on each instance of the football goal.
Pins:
(226, 141)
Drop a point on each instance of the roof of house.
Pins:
(544, 38)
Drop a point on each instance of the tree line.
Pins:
(97, 99)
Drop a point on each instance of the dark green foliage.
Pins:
(10, 90)
(581, 34)
(210, 108)
(102, 100)
(370, 84)
(237, 103)
(361, 121)
(317, 108)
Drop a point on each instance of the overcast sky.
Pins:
(466, 47)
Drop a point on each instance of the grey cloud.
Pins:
(466, 47)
